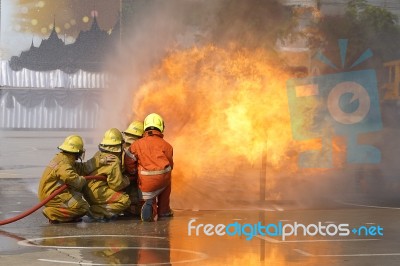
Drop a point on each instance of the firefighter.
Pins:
(152, 158)
(68, 206)
(131, 134)
(106, 197)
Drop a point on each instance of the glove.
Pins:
(125, 181)
(109, 159)
(94, 163)
(131, 177)
(81, 183)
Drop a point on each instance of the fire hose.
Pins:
(43, 202)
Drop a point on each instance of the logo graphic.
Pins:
(282, 230)
(348, 105)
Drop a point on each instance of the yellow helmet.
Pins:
(135, 128)
(112, 140)
(154, 121)
(73, 144)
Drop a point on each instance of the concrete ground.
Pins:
(183, 239)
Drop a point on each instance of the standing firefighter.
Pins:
(68, 206)
(152, 157)
(131, 134)
(106, 198)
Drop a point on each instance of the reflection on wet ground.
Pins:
(33, 241)
(119, 249)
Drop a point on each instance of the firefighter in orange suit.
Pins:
(68, 206)
(106, 197)
(152, 157)
(131, 134)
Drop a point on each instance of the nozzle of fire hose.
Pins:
(43, 202)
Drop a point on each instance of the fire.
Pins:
(223, 109)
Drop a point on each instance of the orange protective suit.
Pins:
(152, 157)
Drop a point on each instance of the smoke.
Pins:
(152, 29)
(148, 31)
(211, 70)
(210, 97)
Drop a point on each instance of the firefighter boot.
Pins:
(147, 211)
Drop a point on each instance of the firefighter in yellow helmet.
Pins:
(106, 197)
(131, 134)
(152, 158)
(68, 206)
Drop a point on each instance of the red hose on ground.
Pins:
(43, 202)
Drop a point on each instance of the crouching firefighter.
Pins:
(152, 158)
(68, 205)
(106, 197)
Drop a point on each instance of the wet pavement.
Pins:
(192, 237)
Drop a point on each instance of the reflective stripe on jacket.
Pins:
(153, 158)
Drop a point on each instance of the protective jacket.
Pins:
(69, 204)
(106, 197)
(132, 190)
(152, 157)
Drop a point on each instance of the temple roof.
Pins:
(88, 52)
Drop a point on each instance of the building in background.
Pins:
(55, 85)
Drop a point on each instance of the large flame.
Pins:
(224, 110)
